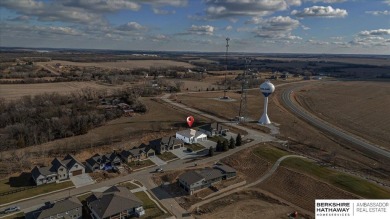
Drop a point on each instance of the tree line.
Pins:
(37, 119)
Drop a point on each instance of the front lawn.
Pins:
(215, 138)
(195, 146)
(167, 156)
(33, 191)
(134, 165)
(129, 185)
(151, 209)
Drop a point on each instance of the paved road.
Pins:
(362, 144)
(264, 177)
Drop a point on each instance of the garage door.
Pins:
(150, 154)
(176, 146)
(77, 172)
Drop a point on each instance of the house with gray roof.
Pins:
(115, 202)
(103, 162)
(213, 129)
(67, 208)
(191, 136)
(135, 154)
(195, 180)
(59, 170)
(166, 144)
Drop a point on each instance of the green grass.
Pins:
(84, 197)
(269, 153)
(194, 146)
(343, 181)
(19, 215)
(35, 191)
(140, 164)
(167, 156)
(215, 138)
(151, 209)
(129, 185)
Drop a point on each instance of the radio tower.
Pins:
(226, 68)
(243, 100)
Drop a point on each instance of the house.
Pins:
(59, 170)
(68, 208)
(103, 162)
(166, 144)
(195, 180)
(115, 202)
(190, 136)
(227, 172)
(133, 155)
(150, 152)
(213, 129)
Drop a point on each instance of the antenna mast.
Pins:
(243, 101)
(226, 67)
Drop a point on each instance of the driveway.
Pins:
(229, 135)
(182, 153)
(207, 144)
(157, 161)
(82, 180)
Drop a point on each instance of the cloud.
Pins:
(318, 42)
(387, 2)
(102, 5)
(221, 9)
(278, 28)
(229, 28)
(375, 32)
(326, 1)
(201, 30)
(159, 38)
(376, 13)
(305, 27)
(20, 18)
(159, 3)
(320, 11)
(131, 26)
(163, 12)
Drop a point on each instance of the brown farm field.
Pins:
(15, 91)
(361, 108)
(130, 64)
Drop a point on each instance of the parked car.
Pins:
(159, 170)
(12, 209)
(189, 149)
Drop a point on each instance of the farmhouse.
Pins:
(58, 171)
(166, 144)
(68, 208)
(190, 136)
(103, 162)
(115, 202)
(213, 129)
(195, 180)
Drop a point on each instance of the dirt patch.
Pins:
(361, 108)
(245, 204)
(249, 166)
(300, 189)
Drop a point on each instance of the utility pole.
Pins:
(226, 67)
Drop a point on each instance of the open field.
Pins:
(15, 91)
(349, 60)
(151, 209)
(249, 204)
(131, 64)
(361, 108)
(300, 189)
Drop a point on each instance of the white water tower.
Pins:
(266, 88)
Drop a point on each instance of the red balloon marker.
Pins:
(190, 121)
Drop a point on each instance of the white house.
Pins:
(190, 136)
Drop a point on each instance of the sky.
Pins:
(262, 26)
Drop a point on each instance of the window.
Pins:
(76, 165)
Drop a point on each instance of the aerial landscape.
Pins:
(209, 109)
